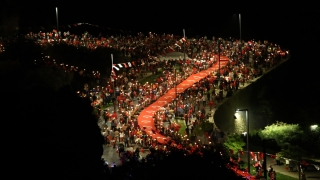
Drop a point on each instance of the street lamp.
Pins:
(240, 26)
(313, 127)
(247, 134)
(57, 20)
(175, 87)
(184, 45)
(219, 59)
(264, 165)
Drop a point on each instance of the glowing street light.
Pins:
(314, 127)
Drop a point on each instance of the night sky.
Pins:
(280, 23)
(293, 26)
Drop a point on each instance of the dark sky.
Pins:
(277, 22)
(293, 26)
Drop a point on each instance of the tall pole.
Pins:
(219, 59)
(264, 159)
(175, 75)
(247, 119)
(114, 90)
(184, 45)
(57, 20)
(264, 165)
(247, 124)
(240, 26)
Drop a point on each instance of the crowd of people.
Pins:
(247, 60)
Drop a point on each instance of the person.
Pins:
(303, 176)
(126, 141)
(287, 164)
(257, 165)
(137, 152)
(270, 170)
(211, 104)
(291, 166)
(120, 149)
(204, 101)
(273, 176)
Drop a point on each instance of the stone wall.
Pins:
(245, 98)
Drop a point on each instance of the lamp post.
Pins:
(240, 26)
(219, 60)
(175, 84)
(57, 20)
(247, 123)
(264, 165)
(184, 45)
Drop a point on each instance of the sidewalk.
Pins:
(279, 169)
(311, 173)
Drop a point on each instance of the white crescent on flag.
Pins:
(146, 121)
(197, 77)
(147, 116)
(162, 102)
(193, 81)
(155, 106)
(185, 84)
(167, 97)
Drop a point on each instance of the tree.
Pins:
(50, 132)
(284, 134)
(177, 165)
(234, 142)
(287, 136)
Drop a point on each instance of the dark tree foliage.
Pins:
(50, 133)
(176, 166)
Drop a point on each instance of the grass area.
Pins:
(107, 106)
(198, 130)
(203, 127)
(284, 177)
(151, 79)
(183, 126)
(244, 165)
